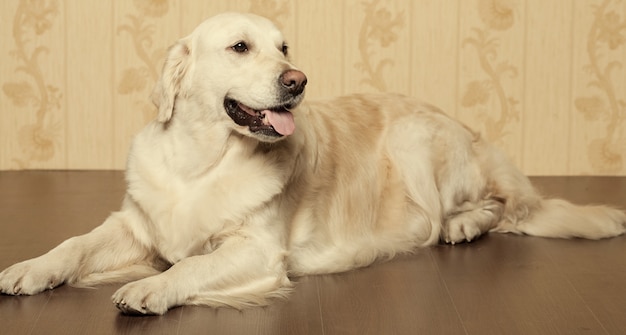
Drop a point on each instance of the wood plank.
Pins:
(403, 296)
(300, 314)
(500, 284)
(91, 312)
(504, 284)
(596, 273)
(19, 315)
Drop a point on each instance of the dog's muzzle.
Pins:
(273, 121)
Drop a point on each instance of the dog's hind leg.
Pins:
(471, 220)
(109, 247)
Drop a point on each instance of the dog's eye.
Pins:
(285, 49)
(240, 47)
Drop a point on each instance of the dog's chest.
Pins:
(187, 216)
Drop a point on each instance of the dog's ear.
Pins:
(168, 87)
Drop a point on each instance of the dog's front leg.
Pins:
(245, 270)
(108, 247)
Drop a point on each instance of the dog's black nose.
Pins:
(293, 81)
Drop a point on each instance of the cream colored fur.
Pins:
(216, 214)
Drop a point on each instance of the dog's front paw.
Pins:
(29, 277)
(146, 296)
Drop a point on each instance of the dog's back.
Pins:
(385, 174)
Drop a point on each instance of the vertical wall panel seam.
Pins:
(180, 19)
(457, 77)
(65, 95)
(524, 111)
(113, 110)
(343, 50)
(411, 41)
(457, 86)
(570, 113)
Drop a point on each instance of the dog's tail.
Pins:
(527, 212)
(561, 219)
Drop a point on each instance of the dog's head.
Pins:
(233, 70)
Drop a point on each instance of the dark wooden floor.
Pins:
(500, 284)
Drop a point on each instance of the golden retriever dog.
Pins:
(238, 186)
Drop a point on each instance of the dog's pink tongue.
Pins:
(281, 121)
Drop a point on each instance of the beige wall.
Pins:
(545, 80)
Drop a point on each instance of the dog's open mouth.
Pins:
(275, 121)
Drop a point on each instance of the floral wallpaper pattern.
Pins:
(473, 56)
(605, 104)
(497, 17)
(29, 89)
(138, 80)
(378, 30)
(276, 10)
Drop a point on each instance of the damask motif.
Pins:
(275, 10)
(152, 8)
(606, 36)
(496, 15)
(378, 26)
(38, 141)
(141, 29)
